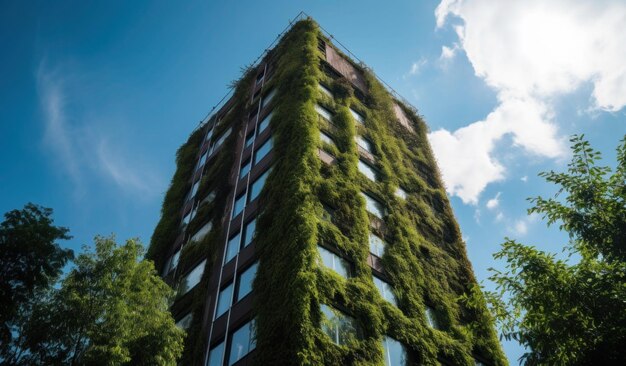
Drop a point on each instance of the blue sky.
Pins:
(96, 97)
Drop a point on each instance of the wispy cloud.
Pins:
(529, 52)
(76, 142)
(416, 67)
(493, 203)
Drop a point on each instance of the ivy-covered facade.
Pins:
(307, 224)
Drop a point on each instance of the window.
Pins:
(258, 184)
(244, 282)
(191, 279)
(263, 150)
(478, 363)
(431, 318)
(242, 342)
(221, 140)
(185, 322)
(233, 247)
(326, 138)
(250, 139)
(201, 161)
(325, 113)
(373, 206)
(325, 90)
(260, 77)
(215, 355)
(385, 290)
(367, 170)
(334, 262)
(268, 97)
(364, 144)
(245, 168)
(263, 124)
(377, 245)
(172, 262)
(358, 117)
(401, 193)
(200, 234)
(394, 352)
(249, 232)
(209, 198)
(240, 203)
(209, 134)
(341, 328)
(223, 300)
(186, 219)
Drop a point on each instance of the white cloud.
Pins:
(524, 179)
(499, 217)
(417, 67)
(494, 202)
(520, 227)
(528, 51)
(448, 53)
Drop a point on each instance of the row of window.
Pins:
(252, 193)
(242, 342)
(240, 289)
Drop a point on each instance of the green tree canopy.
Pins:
(572, 311)
(30, 261)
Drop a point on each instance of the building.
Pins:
(307, 223)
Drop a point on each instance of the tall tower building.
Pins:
(307, 224)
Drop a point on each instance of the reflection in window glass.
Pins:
(242, 342)
(201, 161)
(431, 318)
(394, 352)
(384, 289)
(250, 139)
(172, 262)
(200, 234)
(244, 285)
(401, 193)
(209, 134)
(367, 170)
(215, 355)
(377, 245)
(358, 117)
(263, 150)
(186, 219)
(245, 168)
(258, 184)
(334, 262)
(325, 113)
(268, 97)
(264, 123)
(341, 328)
(325, 90)
(191, 279)
(223, 300)
(373, 206)
(327, 139)
(232, 248)
(185, 322)
(240, 203)
(250, 231)
(221, 140)
(364, 144)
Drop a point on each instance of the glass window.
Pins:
(240, 203)
(244, 282)
(186, 219)
(233, 247)
(245, 168)
(367, 170)
(201, 161)
(431, 318)
(215, 355)
(365, 144)
(334, 262)
(341, 328)
(172, 262)
(377, 245)
(358, 117)
(191, 279)
(394, 352)
(326, 138)
(200, 234)
(384, 289)
(325, 90)
(223, 300)
(249, 232)
(263, 150)
(260, 77)
(268, 97)
(185, 322)
(325, 113)
(258, 184)
(478, 363)
(401, 193)
(264, 123)
(209, 134)
(373, 206)
(250, 139)
(209, 198)
(221, 140)
(242, 342)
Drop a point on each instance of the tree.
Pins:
(111, 309)
(30, 262)
(571, 311)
